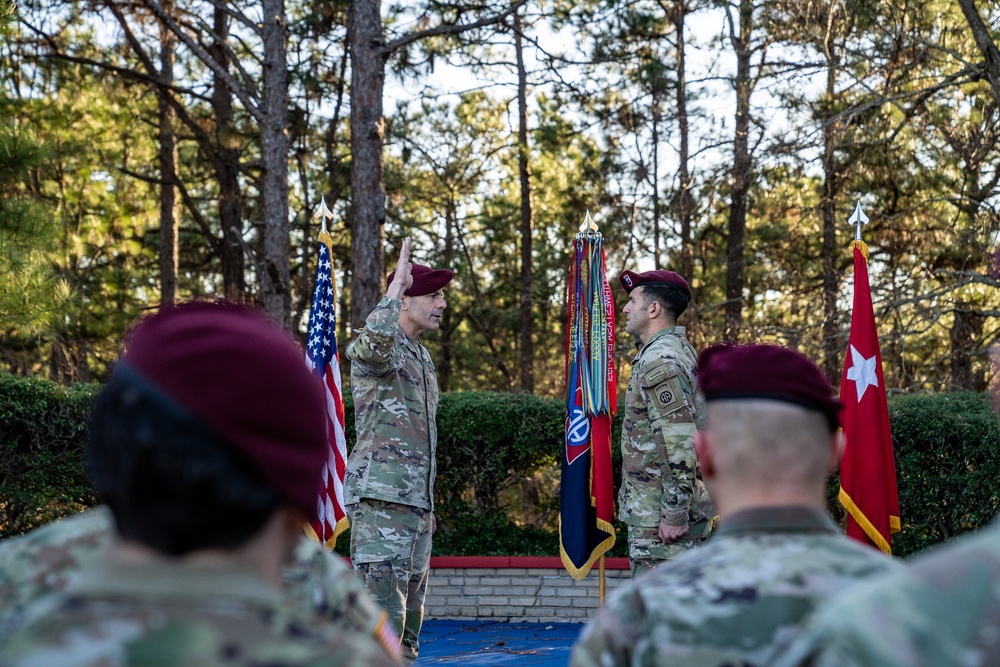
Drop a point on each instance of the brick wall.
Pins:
(516, 589)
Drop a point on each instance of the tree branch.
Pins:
(188, 203)
(985, 44)
(451, 29)
(251, 104)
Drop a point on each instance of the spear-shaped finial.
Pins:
(323, 214)
(857, 219)
(588, 226)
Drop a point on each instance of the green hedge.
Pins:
(42, 434)
(948, 461)
(490, 444)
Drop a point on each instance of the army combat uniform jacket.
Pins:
(736, 600)
(662, 412)
(170, 614)
(395, 390)
(941, 610)
(44, 561)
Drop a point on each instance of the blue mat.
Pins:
(495, 643)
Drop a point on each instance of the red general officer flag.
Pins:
(868, 468)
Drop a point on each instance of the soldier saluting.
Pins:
(662, 499)
(389, 485)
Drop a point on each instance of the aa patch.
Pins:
(667, 396)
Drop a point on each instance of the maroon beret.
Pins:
(630, 280)
(246, 380)
(425, 279)
(727, 372)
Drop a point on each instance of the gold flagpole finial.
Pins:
(323, 214)
(588, 226)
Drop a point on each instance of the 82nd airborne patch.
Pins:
(665, 394)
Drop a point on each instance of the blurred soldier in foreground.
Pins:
(941, 610)
(207, 445)
(662, 498)
(770, 439)
(45, 560)
(389, 486)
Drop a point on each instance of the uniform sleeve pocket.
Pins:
(362, 473)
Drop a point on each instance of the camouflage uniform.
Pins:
(660, 479)
(171, 614)
(389, 486)
(942, 610)
(45, 560)
(737, 600)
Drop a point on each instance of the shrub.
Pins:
(947, 457)
(488, 441)
(42, 434)
(476, 533)
(948, 466)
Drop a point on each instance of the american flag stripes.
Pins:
(323, 358)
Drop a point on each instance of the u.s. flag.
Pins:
(324, 359)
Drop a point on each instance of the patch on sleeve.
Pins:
(667, 396)
(663, 387)
(658, 374)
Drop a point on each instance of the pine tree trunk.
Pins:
(832, 349)
(657, 255)
(527, 302)
(367, 134)
(447, 317)
(168, 172)
(981, 34)
(276, 278)
(227, 169)
(966, 328)
(685, 203)
(742, 164)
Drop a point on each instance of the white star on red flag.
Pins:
(862, 372)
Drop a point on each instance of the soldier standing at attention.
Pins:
(662, 499)
(389, 486)
(207, 445)
(770, 439)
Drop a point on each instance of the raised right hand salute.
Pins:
(402, 279)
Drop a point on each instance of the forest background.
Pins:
(161, 150)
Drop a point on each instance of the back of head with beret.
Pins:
(727, 372)
(245, 379)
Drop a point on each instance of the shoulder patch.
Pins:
(657, 374)
(667, 396)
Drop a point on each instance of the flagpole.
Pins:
(600, 582)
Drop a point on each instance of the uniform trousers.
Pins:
(391, 552)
